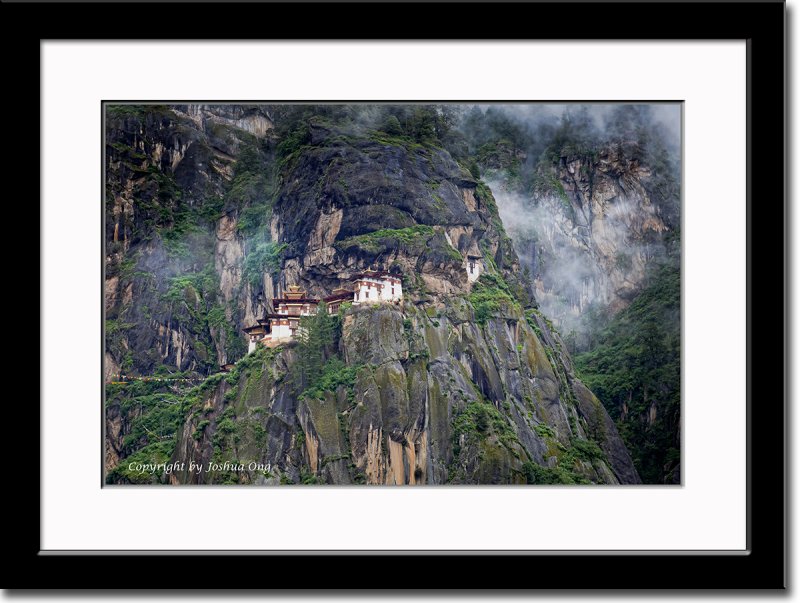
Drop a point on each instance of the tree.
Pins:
(423, 123)
(391, 125)
(445, 118)
(315, 336)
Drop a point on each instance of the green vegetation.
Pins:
(479, 420)
(182, 290)
(264, 258)
(254, 218)
(162, 211)
(546, 182)
(334, 374)
(211, 210)
(244, 367)
(136, 111)
(294, 141)
(319, 371)
(530, 316)
(194, 300)
(400, 140)
(634, 369)
(484, 194)
(157, 416)
(133, 468)
(315, 344)
(250, 182)
(422, 124)
(201, 427)
(491, 296)
(307, 478)
(127, 152)
(412, 238)
(113, 327)
(539, 475)
(252, 192)
(154, 414)
(187, 287)
(391, 125)
(567, 459)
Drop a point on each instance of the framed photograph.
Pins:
(492, 298)
(404, 294)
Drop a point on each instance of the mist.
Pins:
(587, 257)
(603, 121)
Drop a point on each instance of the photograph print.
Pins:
(351, 294)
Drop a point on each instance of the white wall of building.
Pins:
(367, 292)
(475, 272)
(377, 290)
(281, 332)
(392, 290)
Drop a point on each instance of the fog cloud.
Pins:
(578, 262)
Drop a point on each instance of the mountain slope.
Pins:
(591, 198)
(635, 367)
(464, 382)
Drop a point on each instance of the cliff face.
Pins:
(174, 293)
(591, 198)
(592, 224)
(350, 201)
(462, 382)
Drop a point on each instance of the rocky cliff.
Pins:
(591, 199)
(590, 231)
(213, 210)
(590, 202)
(174, 293)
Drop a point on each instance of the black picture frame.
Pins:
(760, 23)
